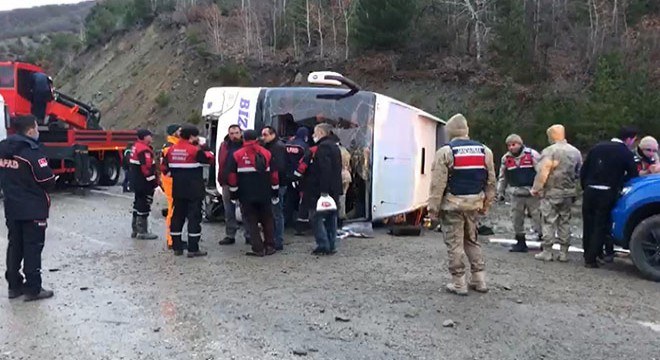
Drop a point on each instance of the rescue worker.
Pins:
(302, 221)
(144, 181)
(126, 166)
(27, 178)
(173, 134)
(346, 180)
(296, 148)
(517, 173)
(232, 142)
(556, 184)
(462, 186)
(608, 166)
(277, 150)
(646, 156)
(42, 94)
(254, 181)
(184, 163)
(323, 178)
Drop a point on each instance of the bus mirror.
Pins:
(331, 78)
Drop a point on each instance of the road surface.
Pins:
(380, 298)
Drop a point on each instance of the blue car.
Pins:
(636, 223)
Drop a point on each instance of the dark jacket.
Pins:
(247, 182)
(227, 149)
(185, 163)
(323, 176)
(143, 168)
(609, 163)
(26, 179)
(278, 160)
(296, 149)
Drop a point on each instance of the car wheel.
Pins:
(645, 247)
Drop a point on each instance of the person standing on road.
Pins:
(27, 178)
(556, 184)
(232, 142)
(254, 181)
(173, 135)
(277, 151)
(462, 186)
(296, 149)
(126, 166)
(300, 183)
(185, 161)
(346, 179)
(144, 181)
(606, 169)
(646, 156)
(517, 173)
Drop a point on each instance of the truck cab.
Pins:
(636, 223)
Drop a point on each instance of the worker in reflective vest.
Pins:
(184, 163)
(144, 181)
(173, 134)
(517, 173)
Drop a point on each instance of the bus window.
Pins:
(7, 76)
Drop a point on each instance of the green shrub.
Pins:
(163, 99)
(231, 74)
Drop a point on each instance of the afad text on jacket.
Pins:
(26, 179)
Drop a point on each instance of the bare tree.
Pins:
(215, 28)
(344, 8)
(320, 27)
(309, 33)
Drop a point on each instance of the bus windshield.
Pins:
(287, 109)
(6, 76)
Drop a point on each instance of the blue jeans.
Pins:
(278, 219)
(325, 230)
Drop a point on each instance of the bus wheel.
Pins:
(110, 171)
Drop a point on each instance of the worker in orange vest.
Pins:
(173, 136)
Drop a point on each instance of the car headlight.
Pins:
(626, 190)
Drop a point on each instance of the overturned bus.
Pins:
(392, 143)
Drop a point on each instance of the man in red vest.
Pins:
(516, 178)
(144, 181)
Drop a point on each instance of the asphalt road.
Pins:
(380, 298)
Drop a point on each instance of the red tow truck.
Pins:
(77, 147)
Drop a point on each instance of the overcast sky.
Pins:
(15, 4)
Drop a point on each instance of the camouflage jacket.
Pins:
(558, 172)
(440, 199)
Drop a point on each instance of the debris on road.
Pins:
(448, 323)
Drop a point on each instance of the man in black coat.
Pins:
(608, 166)
(27, 178)
(277, 150)
(323, 178)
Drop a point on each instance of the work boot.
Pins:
(545, 255)
(14, 293)
(227, 241)
(198, 253)
(478, 282)
(143, 229)
(521, 245)
(563, 254)
(43, 294)
(457, 285)
(134, 227)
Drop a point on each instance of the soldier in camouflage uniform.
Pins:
(556, 184)
(517, 173)
(462, 186)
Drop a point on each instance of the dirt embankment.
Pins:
(153, 77)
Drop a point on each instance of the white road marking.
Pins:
(653, 326)
(103, 192)
(537, 245)
(79, 235)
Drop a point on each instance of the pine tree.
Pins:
(382, 24)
